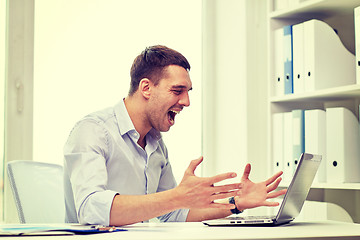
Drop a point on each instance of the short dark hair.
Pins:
(151, 64)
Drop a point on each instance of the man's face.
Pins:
(168, 98)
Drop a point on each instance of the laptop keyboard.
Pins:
(251, 217)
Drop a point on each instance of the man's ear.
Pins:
(145, 87)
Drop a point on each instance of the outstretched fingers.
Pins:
(221, 177)
(276, 194)
(193, 165)
(227, 187)
(225, 191)
(273, 185)
(273, 178)
(225, 195)
(246, 173)
(271, 204)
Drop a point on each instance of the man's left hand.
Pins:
(257, 194)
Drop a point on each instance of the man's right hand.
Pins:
(201, 192)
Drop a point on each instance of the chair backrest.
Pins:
(38, 191)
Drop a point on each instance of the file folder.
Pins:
(342, 146)
(298, 58)
(277, 142)
(327, 62)
(288, 59)
(315, 139)
(288, 147)
(279, 84)
(357, 42)
(298, 137)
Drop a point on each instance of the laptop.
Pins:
(293, 200)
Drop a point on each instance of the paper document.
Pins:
(54, 229)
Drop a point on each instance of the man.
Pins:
(118, 165)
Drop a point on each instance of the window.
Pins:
(83, 51)
(2, 97)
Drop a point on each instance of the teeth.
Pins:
(172, 114)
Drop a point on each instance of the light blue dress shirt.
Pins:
(102, 159)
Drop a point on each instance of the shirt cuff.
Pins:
(179, 215)
(96, 208)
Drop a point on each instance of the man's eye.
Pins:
(177, 92)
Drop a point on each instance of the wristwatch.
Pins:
(235, 210)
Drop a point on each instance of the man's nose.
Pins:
(185, 100)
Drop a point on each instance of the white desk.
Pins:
(198, 231)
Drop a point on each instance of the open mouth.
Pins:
(171, 116)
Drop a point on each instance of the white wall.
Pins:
(83, 53)
(230, 85)
(257, 93)
(234, 125)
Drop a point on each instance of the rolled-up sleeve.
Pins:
(96, 208)
(85, 161)
(179, 215)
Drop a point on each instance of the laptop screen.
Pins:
(299, 187)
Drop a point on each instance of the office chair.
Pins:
(38, 191)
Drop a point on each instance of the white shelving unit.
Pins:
(331, 94)
(340, 16)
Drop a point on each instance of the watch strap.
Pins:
(234, 210)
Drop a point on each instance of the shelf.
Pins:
(335, 186)
(346, 186)
(330, 94)
(339, 15)
(322, 8)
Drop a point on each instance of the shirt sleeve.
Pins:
(179, 215)
(85, 155)
(167, 181)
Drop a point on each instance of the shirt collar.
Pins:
(126, 125)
